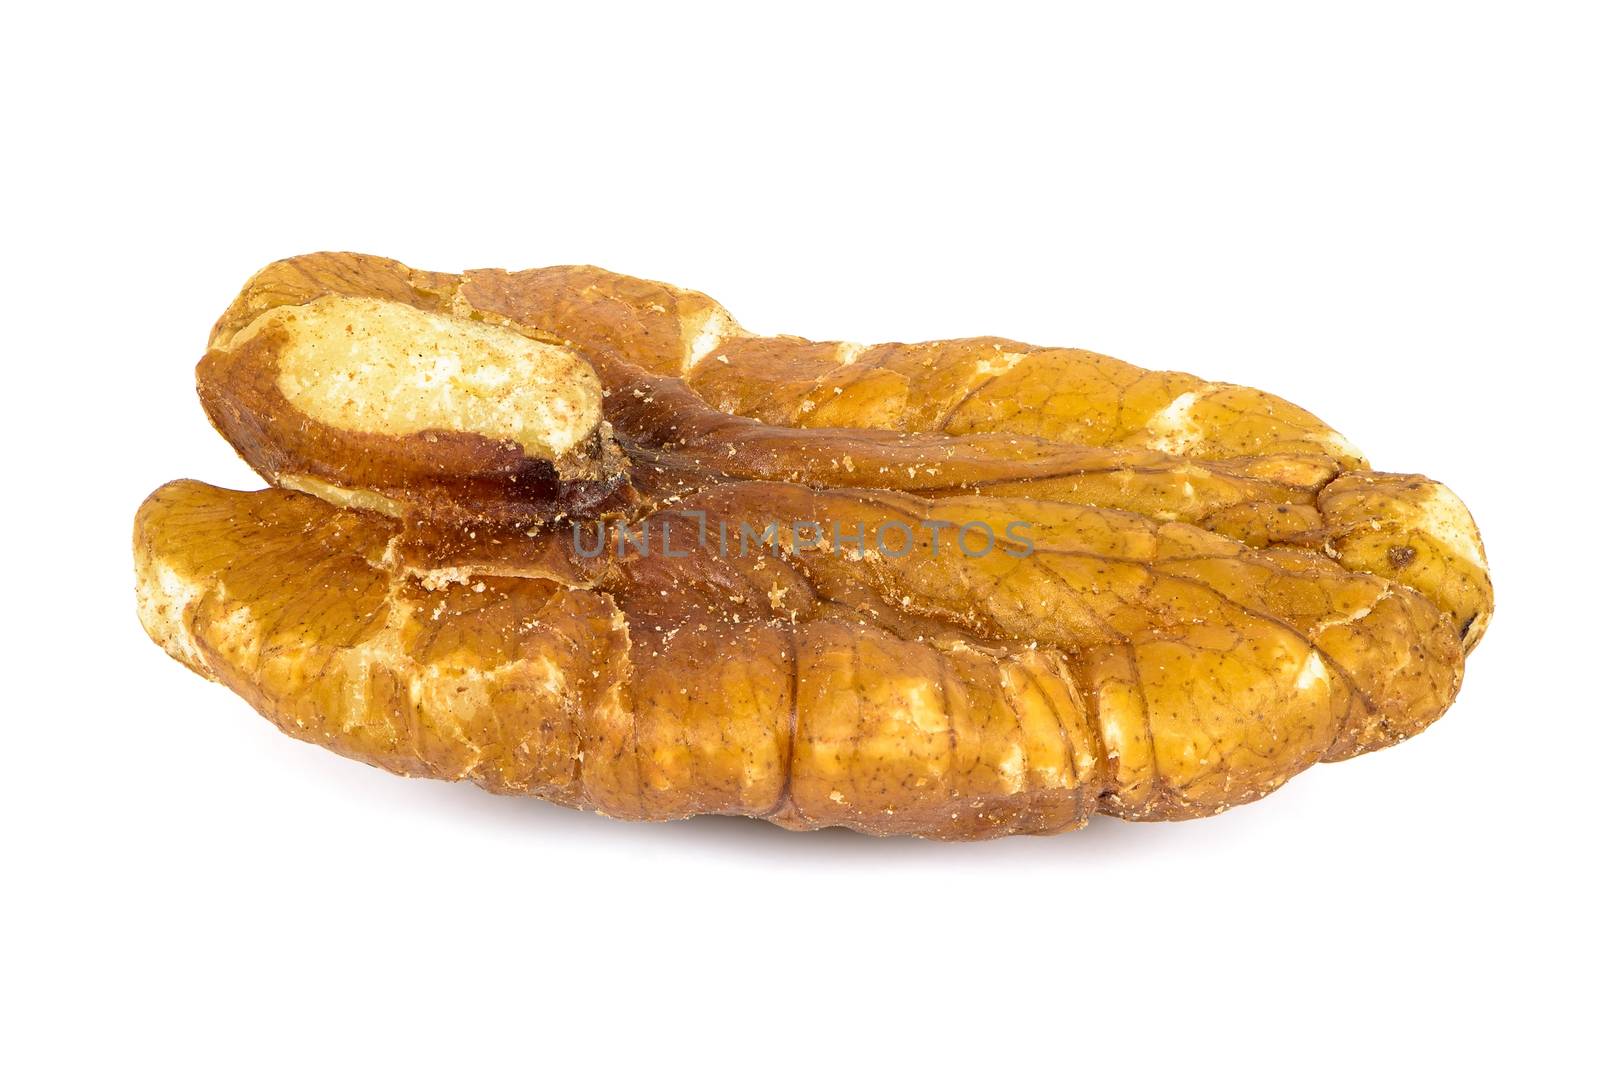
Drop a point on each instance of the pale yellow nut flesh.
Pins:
(382, 367)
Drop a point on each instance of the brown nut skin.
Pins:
(1126, 666)
(1275, 460)
(1416, 531)
(990, 416)
(1216, 594)
(959, 387)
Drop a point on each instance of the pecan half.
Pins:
(572, 534)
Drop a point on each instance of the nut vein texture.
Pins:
(1210, 590)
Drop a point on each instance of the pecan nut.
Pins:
(577, 535)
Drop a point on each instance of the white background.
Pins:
(1385, 212)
